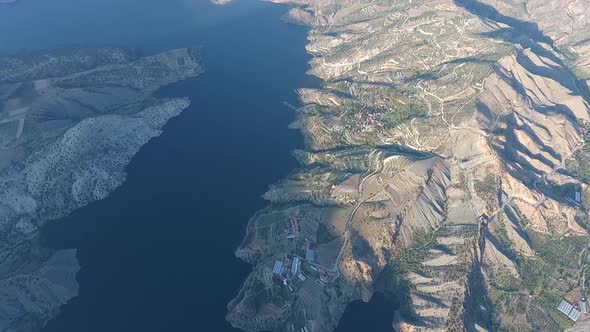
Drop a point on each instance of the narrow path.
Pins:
(336, 268)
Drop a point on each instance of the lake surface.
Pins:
(157, 254)
(376, 315)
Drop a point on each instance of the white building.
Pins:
(295, 265)
(583, 307)
(277, 268)
(310, 255)
(569, 310)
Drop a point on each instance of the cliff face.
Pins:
(70, 121)
(446, 164)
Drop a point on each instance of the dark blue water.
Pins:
(157, 254)
(153, 25)
(375, 316)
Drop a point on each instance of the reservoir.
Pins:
(157, 254)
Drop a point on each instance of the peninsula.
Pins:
(446, 163)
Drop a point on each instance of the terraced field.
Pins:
(448, 144)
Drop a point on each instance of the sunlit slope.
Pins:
(444, 156)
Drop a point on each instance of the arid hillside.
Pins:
(446, 163)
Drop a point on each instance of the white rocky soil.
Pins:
(82, 118)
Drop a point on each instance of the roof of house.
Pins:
(277, 267)
(309, 255)
(569, 310)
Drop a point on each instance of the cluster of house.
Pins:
(285, 266)
(368, 122)
(295, 227)
(310, 256)
(289, 267)
(572, 311)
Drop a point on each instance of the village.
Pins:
(299, 265)
(575, 304)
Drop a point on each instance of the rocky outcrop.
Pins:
(70, 122)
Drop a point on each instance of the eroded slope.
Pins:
(437, 169)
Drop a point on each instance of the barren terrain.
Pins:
(445, 163)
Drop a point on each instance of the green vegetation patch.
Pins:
(579, 167)
(559, 252)
(410, 258)
(403, 113)
(508, 283)
(324, 235)
(391, 280)
(486, 188)
(534, 274)
(530, 295)
(559, 191)
(319, 110)
(500, 233)
(536, 294)
(268, 219)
